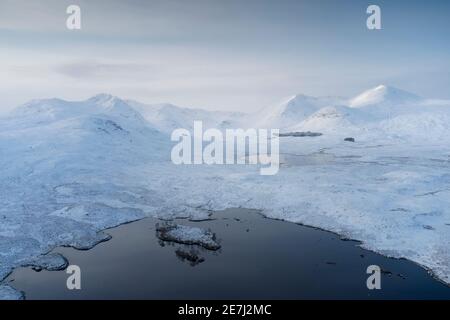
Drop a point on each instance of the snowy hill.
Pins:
(383, 95)
(98, 123)
(332, 113)
(384, 102)
(167, 117)
(292, 111)
(332, 119)
(376, 113)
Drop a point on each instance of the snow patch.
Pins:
(9, 293)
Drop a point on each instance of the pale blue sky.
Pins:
(221, 54)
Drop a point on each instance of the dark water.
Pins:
(259, 259)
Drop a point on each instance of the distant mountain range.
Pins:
(378, 109)
(382, 108)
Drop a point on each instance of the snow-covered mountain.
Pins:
(331, 119)
(167, 117)
(292, 111)
(333, 113)
(384, 102)
(380, 111)
(50, 110)
(103, 113)
(97, 134)
(383, 95)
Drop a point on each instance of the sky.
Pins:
(220, 54)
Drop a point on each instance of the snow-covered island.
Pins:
(69, 170)
(187, 235)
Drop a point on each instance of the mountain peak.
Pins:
(385, 89)
(383, 94)
(103, 98)
(382, 87)
(301, 96)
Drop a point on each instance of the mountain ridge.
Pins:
(298, 112)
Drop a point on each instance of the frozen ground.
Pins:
(72, 169)
(9, 293)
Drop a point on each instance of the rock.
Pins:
(187, 235)
(386, 272)
(49, 262)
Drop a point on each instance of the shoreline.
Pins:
(361, 245)
(343, 240)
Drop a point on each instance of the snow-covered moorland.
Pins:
(69, 170)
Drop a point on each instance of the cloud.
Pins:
(94, 70)
(212, 53)
(158, 20)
